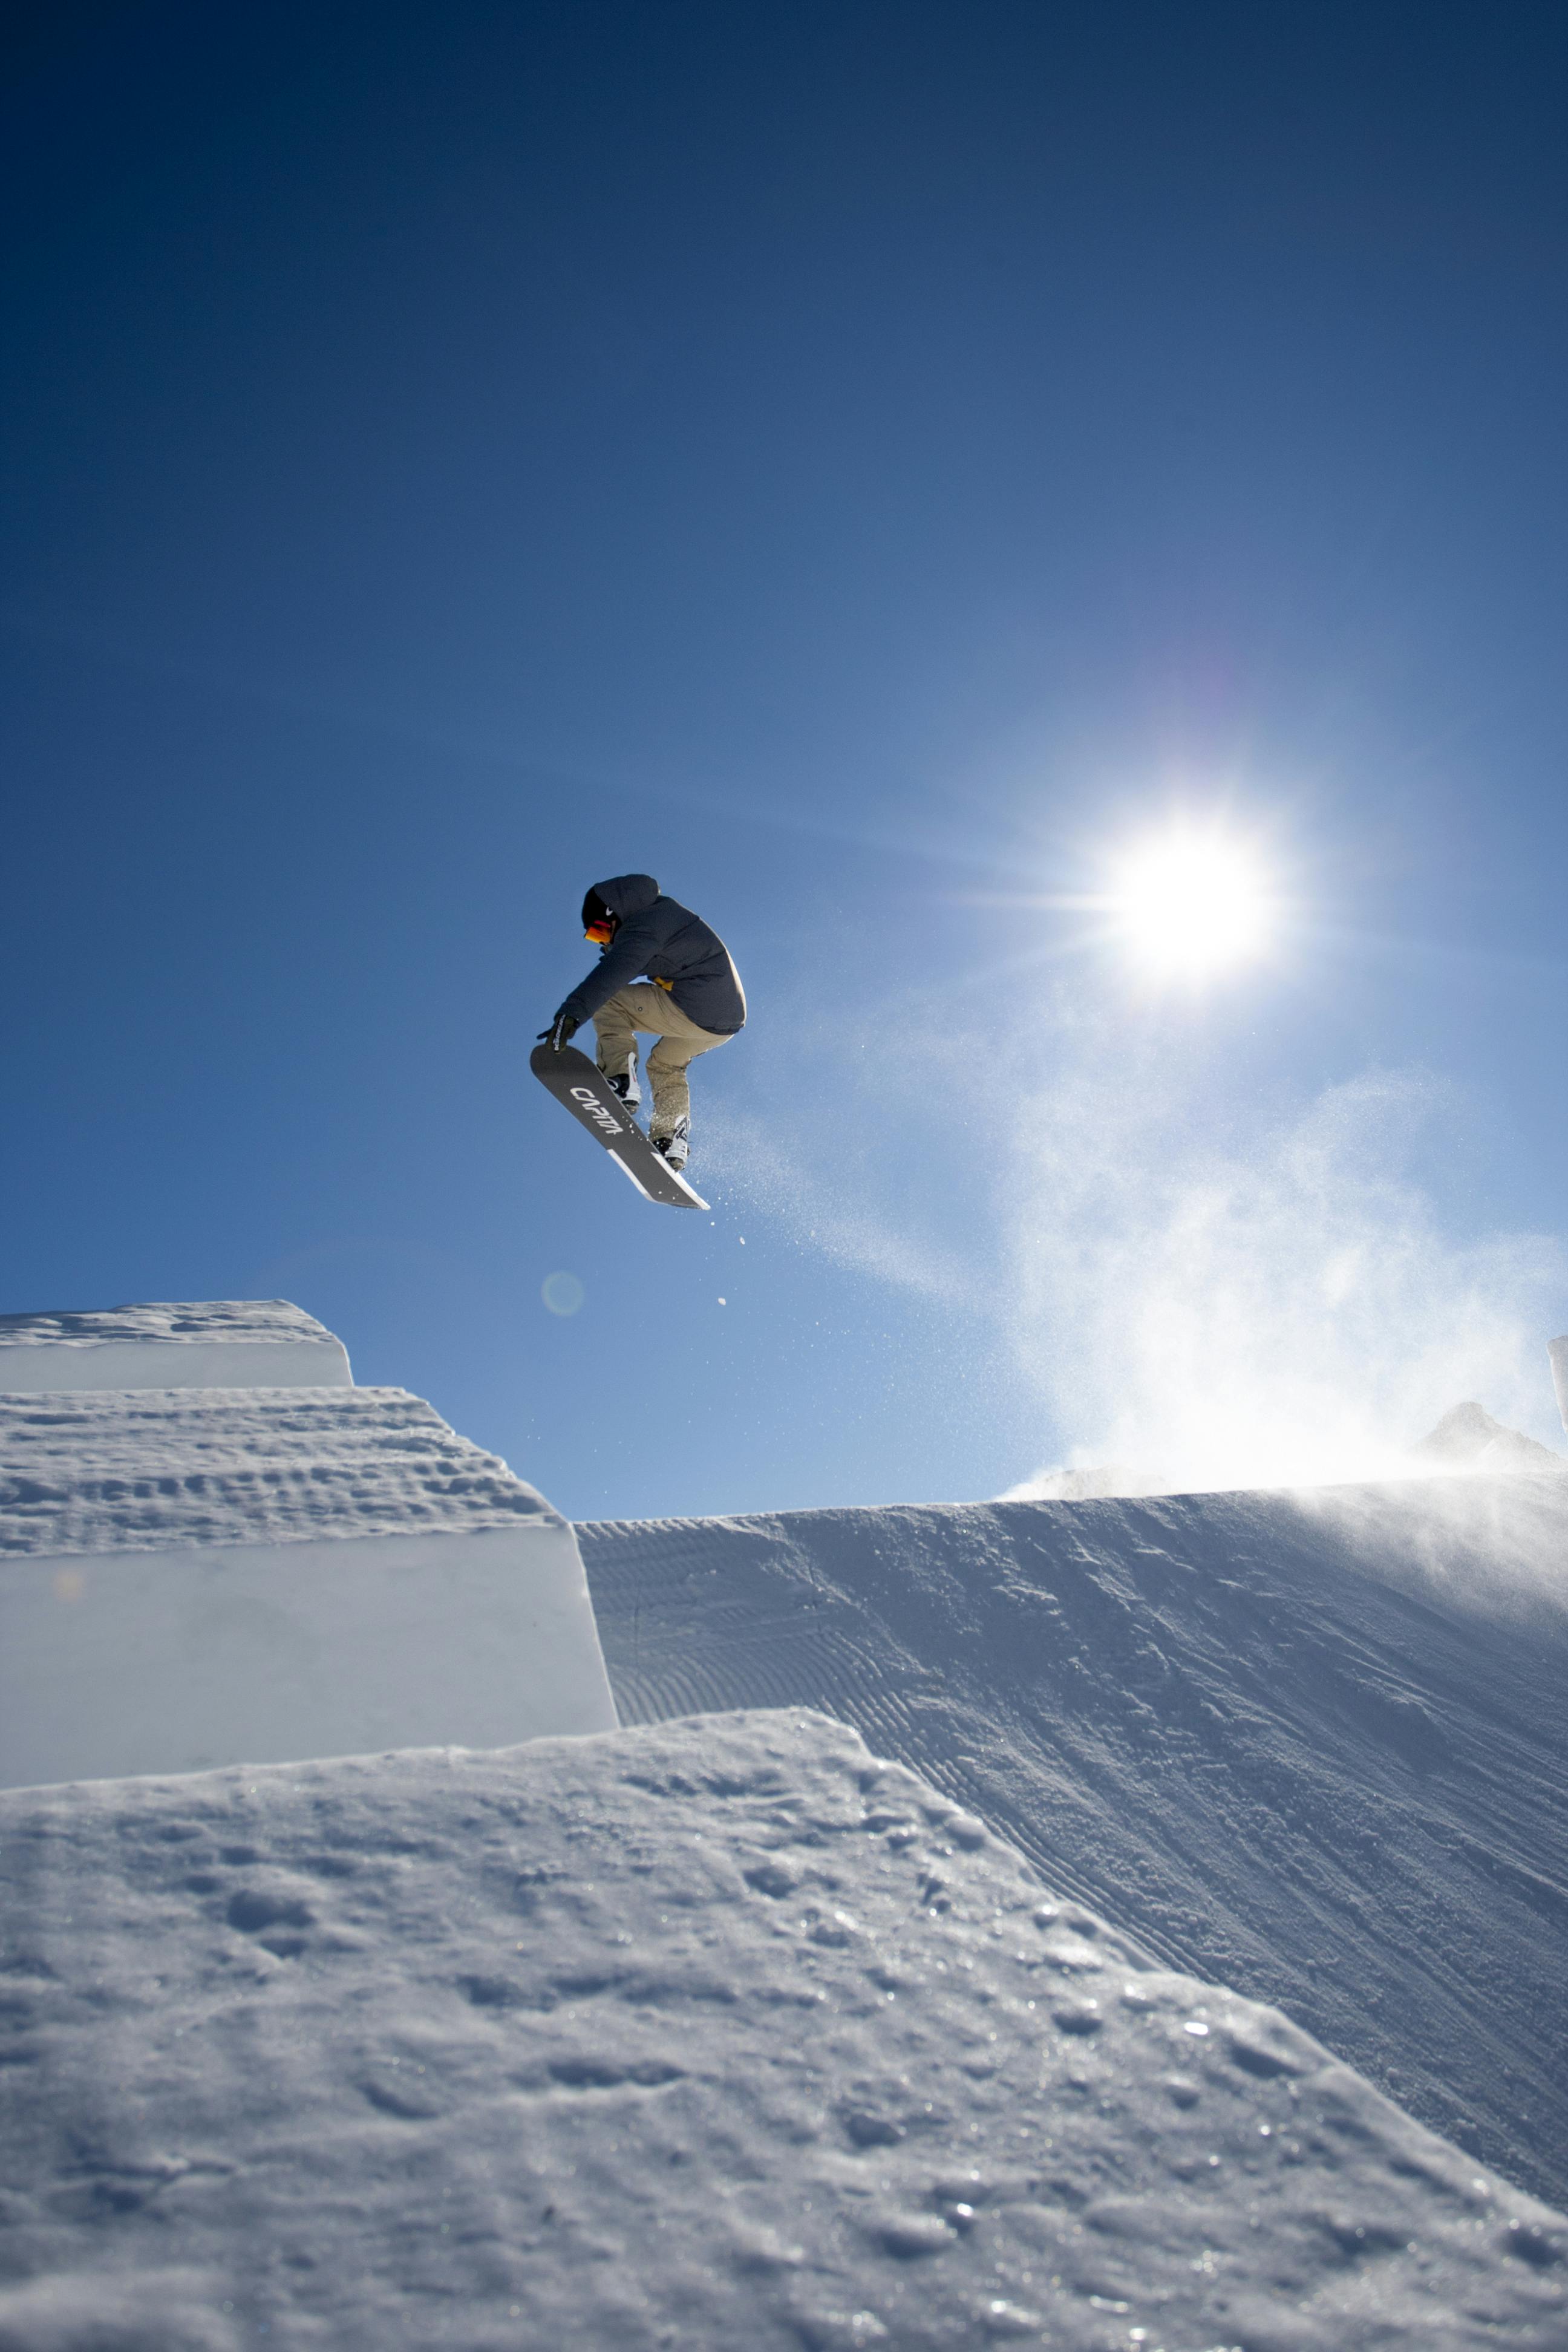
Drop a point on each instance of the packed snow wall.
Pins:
(195, 1575)
(1312, 1745)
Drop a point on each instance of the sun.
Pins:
(1190, 904)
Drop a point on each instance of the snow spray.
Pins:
(1558, 1351)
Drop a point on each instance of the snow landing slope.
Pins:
(714, 2034)
(1314, 1746)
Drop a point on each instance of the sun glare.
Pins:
(1192, 904)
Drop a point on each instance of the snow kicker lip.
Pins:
(579, 1086)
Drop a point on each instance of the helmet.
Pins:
(599, 924)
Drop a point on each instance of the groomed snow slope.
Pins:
(718, 2035)
(1314, 1746)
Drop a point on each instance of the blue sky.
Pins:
(867, 465)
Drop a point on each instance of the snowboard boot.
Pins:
(625, 1084)
(675, 1146)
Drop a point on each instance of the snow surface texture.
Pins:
(237, 1343)
(1312, 1745)
(200, 1577)
(138, 1472)
(714, 2035)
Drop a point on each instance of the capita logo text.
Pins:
(596, 1111)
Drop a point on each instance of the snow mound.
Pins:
(203, 1343)
(720, 2033)
(1312, 1745)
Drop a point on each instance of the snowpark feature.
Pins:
(711, 2034)
(1314, 1745)
(222, 1343)
(723, 2031)
(195, 1576)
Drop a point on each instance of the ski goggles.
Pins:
(600, 933)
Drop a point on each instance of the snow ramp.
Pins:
(1312, 1745)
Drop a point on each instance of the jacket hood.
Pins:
(628, 894)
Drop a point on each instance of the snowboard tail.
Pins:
(580, 1086)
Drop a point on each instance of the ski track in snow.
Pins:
(1310, 1745)
(712, 2034)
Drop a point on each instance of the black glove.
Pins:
(561, 1031)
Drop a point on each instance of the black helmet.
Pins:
(594, 910)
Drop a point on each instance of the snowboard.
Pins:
(581, 1087)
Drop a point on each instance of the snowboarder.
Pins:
(690, 1000)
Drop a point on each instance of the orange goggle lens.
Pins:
(600, 933)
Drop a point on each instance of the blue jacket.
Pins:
(666, 941)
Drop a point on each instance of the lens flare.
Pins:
(1192, 904)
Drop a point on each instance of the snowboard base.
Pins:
(580, 1086)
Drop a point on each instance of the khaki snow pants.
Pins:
(644, 1006)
